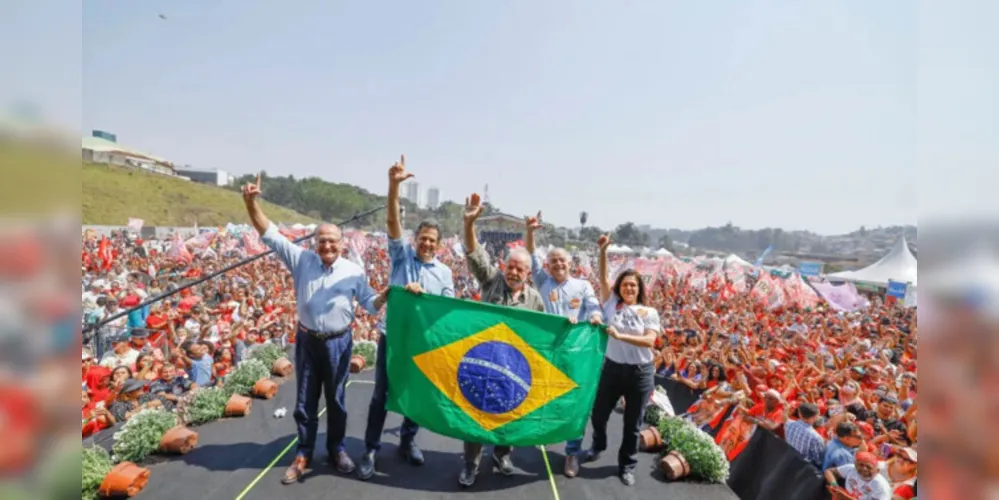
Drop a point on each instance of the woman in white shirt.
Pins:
(628, 369)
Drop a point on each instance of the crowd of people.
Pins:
(839, 386)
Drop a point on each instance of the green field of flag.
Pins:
(490, 374)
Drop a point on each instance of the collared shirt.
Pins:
(837, 454)
(434, 277)
(804, 438)
(494, 288)
(324, 296)
(573, 298)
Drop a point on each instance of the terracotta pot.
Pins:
(179, 440)
(282, 367)
(649, 439)
(238, 406)
(674, 466)
(356, 363)
(265, 388)
(125, 480)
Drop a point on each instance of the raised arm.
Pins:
(602, 272)
(478, 260)
(397, 175)
(257, 218)
(538, 273)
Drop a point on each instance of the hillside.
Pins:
(113, 194)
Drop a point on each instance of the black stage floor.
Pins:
(244, 459)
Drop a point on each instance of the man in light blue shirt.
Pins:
(325, 289)
(418, 270)
(563, 295)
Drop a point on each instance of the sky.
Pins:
(823, 116)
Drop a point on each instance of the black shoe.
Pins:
(411, 453)
(503, 464)
(589, 456)
(343, 462)
(367, 468)
(628, 478)
(467, 476)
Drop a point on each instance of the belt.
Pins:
(322, 335)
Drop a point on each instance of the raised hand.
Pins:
(251, 190)
(603, 242)
(398, 173)
(533, 223)
(473, 208)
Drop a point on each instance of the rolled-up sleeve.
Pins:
(366, 295)
(288, 252)
(538, 274)
(480, 266)
(591, 305)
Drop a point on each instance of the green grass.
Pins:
(113, 194)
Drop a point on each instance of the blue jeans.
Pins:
(377, 411)
(321, 367)
(574, 447)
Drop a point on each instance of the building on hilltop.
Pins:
(213, 176)
(411, 192)
(103, 147)
(433, 198)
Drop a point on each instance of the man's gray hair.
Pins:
(556, 251)
(522, 254)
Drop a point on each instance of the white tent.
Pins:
(735, 259)
(897, 265)
(975, 277)
(619, 249)
(662, 252)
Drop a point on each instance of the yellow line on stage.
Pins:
(281, 455)
(548, 467)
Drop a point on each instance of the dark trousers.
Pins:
(473, 452)
(377, 411)
(321, 367)
(635, 383)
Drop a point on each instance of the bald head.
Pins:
(329, 243)
(558, 264)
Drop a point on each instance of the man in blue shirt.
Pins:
(325, 289)
(418, 270)
(563, 295)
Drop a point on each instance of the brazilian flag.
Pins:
(490, 374)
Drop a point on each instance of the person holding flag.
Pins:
(325, 289)
(628, 368)
(415, 267)
(563, 295)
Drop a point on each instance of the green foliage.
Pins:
(141, 435)
(266, 353)
(653, 414)
(113, 194)
(242, 378)
(366, 349)
(96, 464)
(204, 405)
(707, 460)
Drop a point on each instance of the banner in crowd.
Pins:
(810, 268)
(842, 297)
(490, 374)
(896, 289)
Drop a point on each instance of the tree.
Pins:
(664, 242)
(628, 234)
(590, 233)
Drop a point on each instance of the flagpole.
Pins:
(203, 279)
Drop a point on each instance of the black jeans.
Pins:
(635, 383)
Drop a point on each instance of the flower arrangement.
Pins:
(242, 378)
(141, 435)
(203, 405)
(367, 350)
(96, 464)
(266, 353)
(706, 459)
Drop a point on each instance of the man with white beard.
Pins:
(563, 295)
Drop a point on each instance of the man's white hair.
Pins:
(520, 254)
(557, 251)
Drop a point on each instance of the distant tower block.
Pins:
(485, 194)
